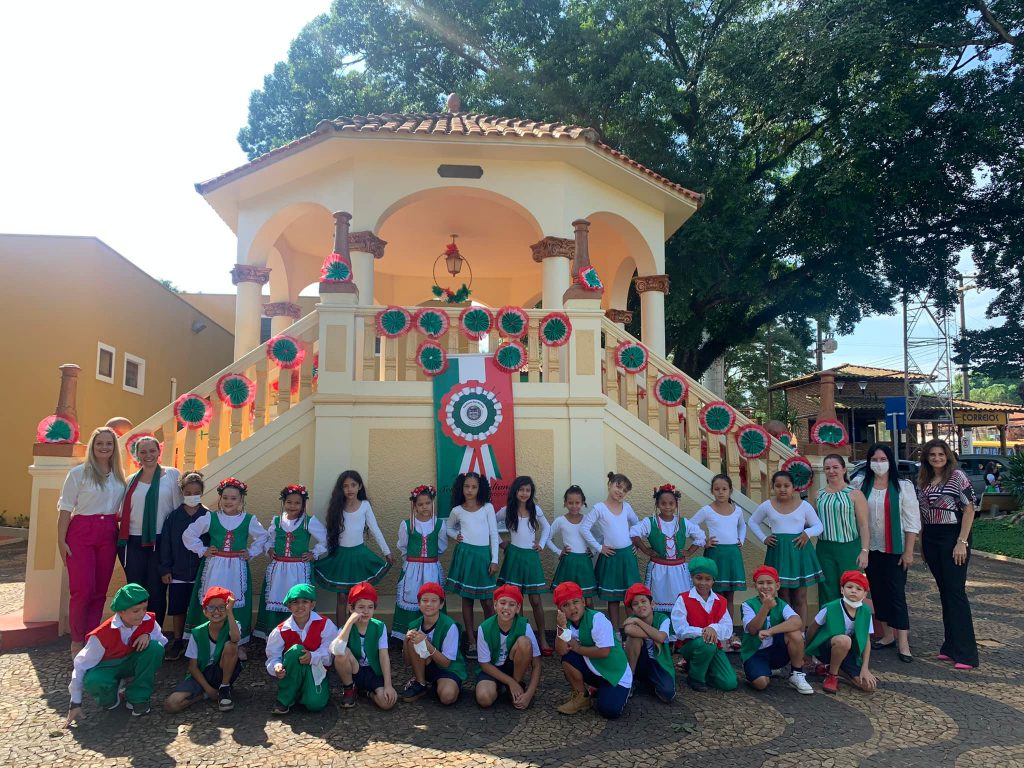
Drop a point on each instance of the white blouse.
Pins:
(668, 527)
(81, 496)
(169, 500)
(478, 528)
(524, 536)
(910, 511)
(614, 528)
(190, 536)
(358, 521)
(570, 535)
(727, 529)
(800, 520)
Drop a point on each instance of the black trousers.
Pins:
(937, 542)
(888, 583)
(142, 566)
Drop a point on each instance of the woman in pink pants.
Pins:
(87, 531)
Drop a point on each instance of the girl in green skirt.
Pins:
(422, 538)
(616, 569)
(575, 560)
(792, 523)
(521, 568)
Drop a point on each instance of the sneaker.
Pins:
(798, 680)
(280, 709)
(224, 703)
(831, 684)
(413, 690)
(120, 696)
(471, 651)
(821, 670)
(696, 685)
(175, 650)
(577, 703)
(348, 697)
(138, 710)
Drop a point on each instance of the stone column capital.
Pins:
(366, 242)
(644, 283)
(551, 247)
(250, 273)
(282, 309)
(623, 316)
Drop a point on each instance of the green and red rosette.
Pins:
(475, 322)
(57, 430)
(431, 358)
(285, 351)
(828, 432)
(801, 470)
(589, 280)
(393, 322)
(431, 322)
(236, 390)
(631, 356)
(555, 329)
(670, 390)
(510, 356)
(512, 322)
(336, 269)
(193, 411)
(753, 441)
(717, 417)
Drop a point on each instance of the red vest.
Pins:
(696, 616)
(110, 637)
(314, 635)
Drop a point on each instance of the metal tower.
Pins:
(928, 331)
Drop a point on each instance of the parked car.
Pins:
(908, 469)
(973, 465)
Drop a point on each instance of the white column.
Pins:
(365, 248)
(555, 254)
(282, 314)
(249, 280)
(652, 290)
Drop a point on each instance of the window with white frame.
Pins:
(105, 355)
(134, 374)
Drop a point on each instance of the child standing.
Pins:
(789, 550)
(422, 538)
(521, 568)
(349, 561)
(179, 566)
(616, 568)
(298, 653)
(472, 523)
(841, 636)
(772, 635)
(726, 532)
(648, 648)
(663, 539)
(127, 645)
(225, 562)
(701, 620)
(294, 540)
(507, 650)
(575, 560)
(361, 652)
(431, 648)
(212, 653)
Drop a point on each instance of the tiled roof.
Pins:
(848, 371)
(448, 124)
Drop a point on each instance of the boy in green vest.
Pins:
(432, 650)
(772, 635)
(647, 645)
(591, 655)
(212, 653)
(506, 649)
(361, 656)
(841, 636)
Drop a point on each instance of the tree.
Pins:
(849, 149)
(989, 390)
(786, 343)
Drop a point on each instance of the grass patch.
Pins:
(999, 537)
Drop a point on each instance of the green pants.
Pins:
(101, 681)
(709, 664)
(835, 559)
(297, 685)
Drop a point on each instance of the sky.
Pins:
(112, 111)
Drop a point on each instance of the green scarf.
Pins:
(893, 522)
(492, 635)
(201, 635)
(751, 643)
(374, 629)
(149, 530)
(613, 666)
(835, 624)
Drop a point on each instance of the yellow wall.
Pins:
(63, 295)
(221, 306)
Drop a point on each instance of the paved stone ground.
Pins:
(924, 714)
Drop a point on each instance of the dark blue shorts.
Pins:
(213, 676)
(178, 597)
(761, 664)
(611, 699)
(849, 665)
(368, 680)
(652, 677)
(507, 668)
(433, 673)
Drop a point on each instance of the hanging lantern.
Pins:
(452, 258)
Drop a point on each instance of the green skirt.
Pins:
(347, 566)
(521, 568)
(579, 568)
(731, 573)
(616, 574)
(468, 575)
(796, 567)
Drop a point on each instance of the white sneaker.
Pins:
(798, 680)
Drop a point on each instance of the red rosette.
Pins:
(512, 322)
(801, 470)
(589, 280)
(555, 329)
(717, 417)
(236, 390)
(336, 269)
(431, 358)
(510, 356)
(275, 386)
(671, 389)
(57, 430)
(828, 432)
(393, 322)
(631, 356)
(475, 322)
(753, 441)
(193, 411)
(431, 322)
(285, 351)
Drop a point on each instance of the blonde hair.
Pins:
(92, 470)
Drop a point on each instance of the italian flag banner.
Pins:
(475, 430)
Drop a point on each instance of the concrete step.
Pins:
(16, 633)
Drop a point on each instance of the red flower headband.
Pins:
(232, 482)
(419, 490)
(667, 488)
(296, 489)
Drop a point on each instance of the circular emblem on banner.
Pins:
(470, 413)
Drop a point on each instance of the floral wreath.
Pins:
(448, 296)
(555, 329)
(828, 432)
(419, 490)
(631, 356)
(193, 411)
(753, 441)
(431, 322)
(717, 417)
(667, 488)
(475, 322)
(393, 322)
(512, 322)
(57, 430)
(232, 482)
(431, 358)
(288, 490)
(510, 356)
(285, 351)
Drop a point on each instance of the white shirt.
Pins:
(524, 536)
(478, 528)
(727, 529)
(666, 627)
(483, 651)
(800, 520)
(684, 631)
(614, 528)
(317, 533)
(192, 649)
(449, 647)
(819, 619)
(602, 634)
(910, 511)
(338, 649)
(570, 536)
(321, 656)
(92, 653)
(358, 521)
(190, 536)
(424, 528)
(668, 527)
(169, 500)
(80, 496)
(748, 615)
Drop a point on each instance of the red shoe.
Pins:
(831, 684)
(546, 652)
(821, 670)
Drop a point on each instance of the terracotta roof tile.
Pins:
(450, 124)
(850, 371)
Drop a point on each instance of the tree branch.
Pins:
(995, 25)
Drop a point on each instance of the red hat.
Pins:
(856, 577)
(217, 592)
(431, 588)
(566, 591)
(634, 592)
(362, 591)
(508, 590)
(766, 570)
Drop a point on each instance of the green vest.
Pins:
(415, 545)
(374, 629)
(492, 635)
(201, 635)
(751, 643)
(300, 538)
(657, 539)
(219, 534)
(441, 629)
(835, 624)
(664, 655)
(613, 666)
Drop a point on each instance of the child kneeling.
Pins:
(361, 652)
(591, 655)
(506, 649)
(648, 633)
(701, 620)
(772, 635)
(432, 650)
(212, 653)
(841, 636)
(298, 653)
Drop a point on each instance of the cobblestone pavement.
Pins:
(924, 714)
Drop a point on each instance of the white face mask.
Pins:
(193, 501)
(880, 467)
(852, 604)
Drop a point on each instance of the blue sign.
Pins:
(896, 412)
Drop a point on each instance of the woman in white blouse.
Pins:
(87, 531)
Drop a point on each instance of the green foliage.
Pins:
(1013, 480)
(169, 286)
(746, 366)
(989, 390)
(849, 149)
(1001, 537)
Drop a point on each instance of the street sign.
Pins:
(979, 418)
(896, 413)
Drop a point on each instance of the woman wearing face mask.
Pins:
(894, 521)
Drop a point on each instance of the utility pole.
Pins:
(963, 330)
(768, 349)
(817, 349)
